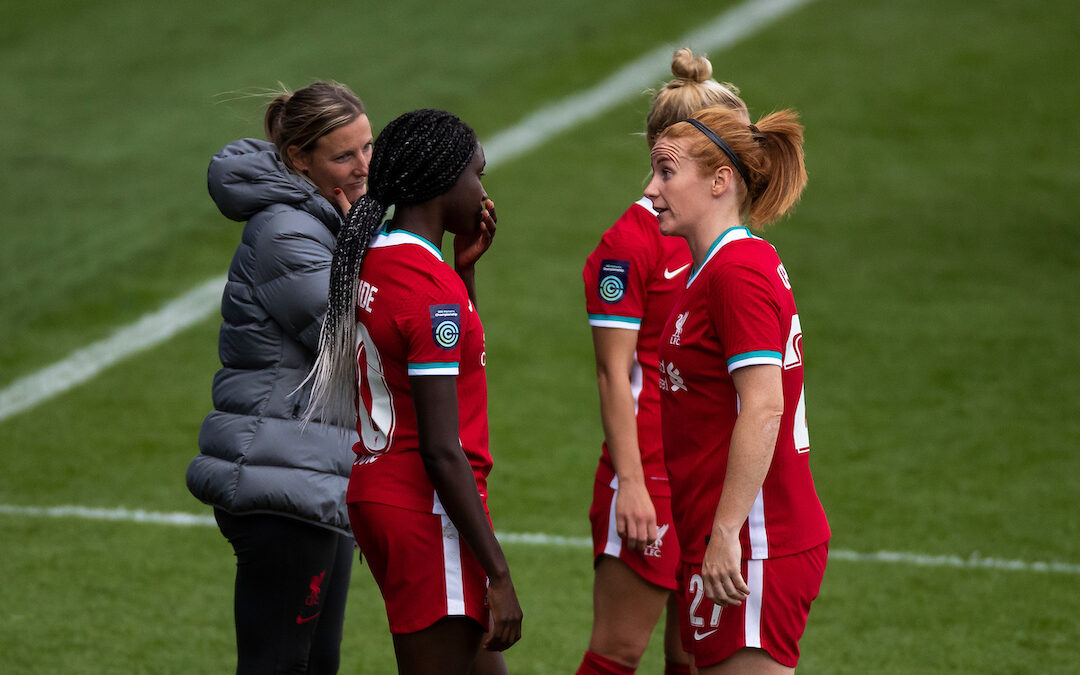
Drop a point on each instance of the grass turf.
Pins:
(934, 258)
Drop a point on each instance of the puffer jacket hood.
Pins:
(254, 456)
(247, 176)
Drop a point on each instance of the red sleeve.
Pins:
(617, 272)
(746, 314)
(431, 326)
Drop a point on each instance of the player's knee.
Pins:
(622, 649)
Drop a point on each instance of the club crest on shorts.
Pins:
(654, 550)
(613, 276)
(446, 325)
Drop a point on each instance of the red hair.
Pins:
(771, 150)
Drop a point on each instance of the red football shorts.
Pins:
(772, 618)
(659, 561)
(422, 567)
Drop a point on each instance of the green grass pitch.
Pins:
(935, 258)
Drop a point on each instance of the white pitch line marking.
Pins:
(722, 32)
(539, 539)
(725, 30)
(175, 316)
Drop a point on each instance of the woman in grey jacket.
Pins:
(278, 490)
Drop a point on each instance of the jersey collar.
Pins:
(398, 237)
(646, 204)
(729, 235)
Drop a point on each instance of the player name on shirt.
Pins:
(366, 296)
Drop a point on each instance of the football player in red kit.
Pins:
(402, 353)
(631, 281)
(753, 533)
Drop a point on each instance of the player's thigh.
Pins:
(490, 663)
(748, 662)
(423, 569)
(625, 607)
(450, 646)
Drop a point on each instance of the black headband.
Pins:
(715, 138)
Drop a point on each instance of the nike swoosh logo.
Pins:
(300, 619)
(671, 274)
(698, 635)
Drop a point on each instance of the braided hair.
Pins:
(417, 157)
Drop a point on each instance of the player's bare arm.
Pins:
(435, 398)
(635, 515)
(753, 440)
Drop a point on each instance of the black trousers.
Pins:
(292, 579)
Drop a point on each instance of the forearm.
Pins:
(753, 441)
(468, 277)
(620, 426)
(448, 469)
(750, 453)
(635, 514)
(615, 348)
(453, 479)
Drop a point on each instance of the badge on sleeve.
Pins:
(446, 325)
(611, 286)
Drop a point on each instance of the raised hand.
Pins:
(469, 248)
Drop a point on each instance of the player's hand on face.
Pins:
(505, 615)
(635, 516)
(721, 570)
(342, 201)
(469, 248)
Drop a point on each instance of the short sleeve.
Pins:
(746, 314)
(431, 327)
(616, 275)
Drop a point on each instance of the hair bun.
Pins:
(686, 66)
(274, 119)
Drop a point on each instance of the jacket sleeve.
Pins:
(292, 273)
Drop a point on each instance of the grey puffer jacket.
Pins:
(253, 456)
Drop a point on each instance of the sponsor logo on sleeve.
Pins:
(611, 286)
(446, 325)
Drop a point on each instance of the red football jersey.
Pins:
(631, 281)
(414, 318)
(738, 310)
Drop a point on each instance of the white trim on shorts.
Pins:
(755, 521)
(455, 584)
(755, 579)
(613, 546)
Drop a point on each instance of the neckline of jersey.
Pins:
(646, 204)
(394, 237)
(726, 237)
